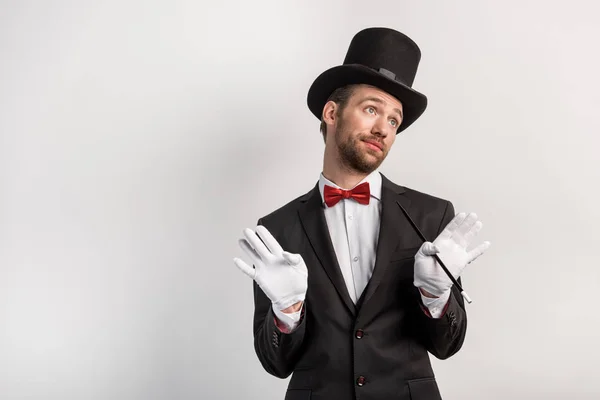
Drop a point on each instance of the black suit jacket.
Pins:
(378, 348)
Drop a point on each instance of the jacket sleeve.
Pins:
(277, 350)
(444, 336)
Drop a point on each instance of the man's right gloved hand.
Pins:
(281, 275)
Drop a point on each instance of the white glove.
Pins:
(451, 246)
(281, 275)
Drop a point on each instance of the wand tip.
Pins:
(466, 296)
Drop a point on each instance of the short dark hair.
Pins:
(339, 96)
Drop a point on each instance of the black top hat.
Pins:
(380, 57)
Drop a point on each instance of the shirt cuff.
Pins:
(435, 307)
(285, 322)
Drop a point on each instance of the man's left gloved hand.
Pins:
(451, 247)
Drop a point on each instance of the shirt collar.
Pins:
(374, 179)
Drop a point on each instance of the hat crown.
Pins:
(386, 51)
(380, 57)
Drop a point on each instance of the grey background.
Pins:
(138, 139)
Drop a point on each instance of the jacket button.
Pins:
(359, 334)
(361, 380)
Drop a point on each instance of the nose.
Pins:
(381, 128)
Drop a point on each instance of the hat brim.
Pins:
(413, 102)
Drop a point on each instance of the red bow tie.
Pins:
(360, 193)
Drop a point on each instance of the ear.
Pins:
(329, 112)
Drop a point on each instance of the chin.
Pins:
(377, 154)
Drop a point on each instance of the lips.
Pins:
(374, 143)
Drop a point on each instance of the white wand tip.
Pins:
(466, 296)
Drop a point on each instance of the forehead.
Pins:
(365, 91)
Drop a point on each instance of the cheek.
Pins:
(360, 122)
(389, 140)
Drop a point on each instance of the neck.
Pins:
(341, 175)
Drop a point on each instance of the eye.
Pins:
(371, 110)
(394, 123)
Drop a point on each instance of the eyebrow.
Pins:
(378, 100)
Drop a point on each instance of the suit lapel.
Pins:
(315, 226)
(393, 231)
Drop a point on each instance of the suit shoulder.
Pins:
(416, 196)
(286, 211)
(438, 210)
(426, 199)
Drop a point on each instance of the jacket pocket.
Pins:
(402, 265)
(298, 394)
(424, 389)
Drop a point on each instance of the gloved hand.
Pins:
(281, 275)
(451, 246)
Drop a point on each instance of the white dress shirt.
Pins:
(354, 232)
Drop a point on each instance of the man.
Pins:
(348, 299)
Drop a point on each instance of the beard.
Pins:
(353, 154)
